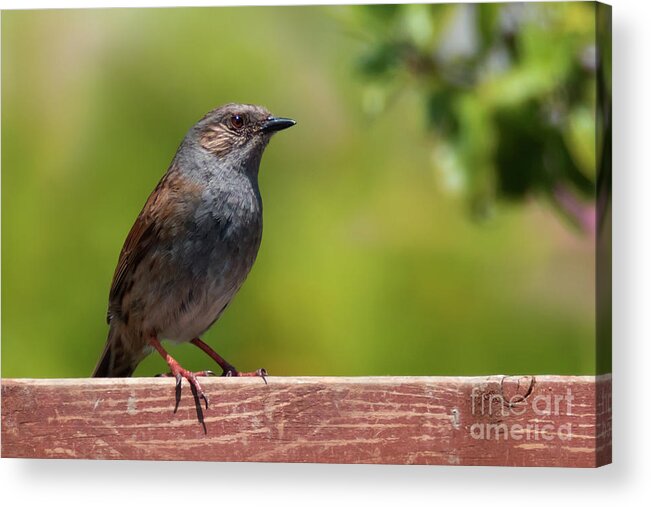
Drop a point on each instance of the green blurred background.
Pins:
(429, 215)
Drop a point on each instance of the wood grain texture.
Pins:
(496, 420)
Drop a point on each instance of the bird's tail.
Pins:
(115, 360)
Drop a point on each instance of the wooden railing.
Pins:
(496, 420)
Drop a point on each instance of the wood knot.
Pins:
(498, 397)
(516, 390)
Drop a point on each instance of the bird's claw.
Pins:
(194, 385)
(179, 380)
(261, 372)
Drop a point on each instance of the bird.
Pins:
(192, 245)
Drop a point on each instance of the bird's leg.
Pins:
(180, 373)
(225, 365)
(228, 369)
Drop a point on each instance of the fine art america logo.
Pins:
(546, 410)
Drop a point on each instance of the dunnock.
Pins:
(192, 245)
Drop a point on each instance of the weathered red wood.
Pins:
(515, 421)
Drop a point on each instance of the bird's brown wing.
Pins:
(160, 210)
(139, 241)
(168, 203)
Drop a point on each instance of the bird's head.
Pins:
(238, 133)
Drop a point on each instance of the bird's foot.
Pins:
(228, 369)
(181, 373)
(197, 391)
(232, 372)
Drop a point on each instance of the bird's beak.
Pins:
(275, 124)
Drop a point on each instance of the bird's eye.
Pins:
(237, 121)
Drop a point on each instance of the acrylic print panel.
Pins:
(433, 280)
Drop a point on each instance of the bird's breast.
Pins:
(229, 223)
(220, 248)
